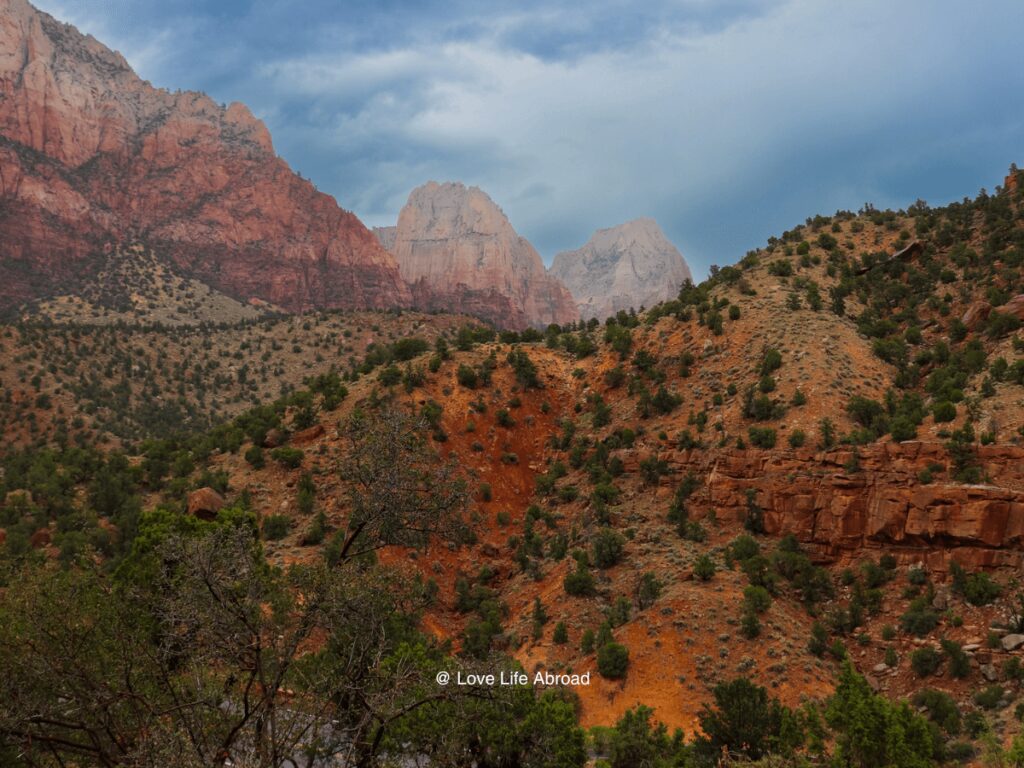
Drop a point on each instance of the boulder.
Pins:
(976, 315)
(1014, 306)
(205, 503)
(1012, 642)
(308, 435)
(273, 438)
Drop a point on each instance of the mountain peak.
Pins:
(626, 266)
(458, 251)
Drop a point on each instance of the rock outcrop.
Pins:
(840, 512)
(459, 253)
(632, 265)
(91, 155)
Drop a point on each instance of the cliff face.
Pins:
(839, 512)
(632, 265)
(458, 252)
(90, 154)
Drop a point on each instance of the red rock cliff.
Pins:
(90, 153)
(839, 511)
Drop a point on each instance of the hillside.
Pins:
(816, 456)
(107, 382)
(134, 286)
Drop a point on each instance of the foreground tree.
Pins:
(399, 491)
(746, 722)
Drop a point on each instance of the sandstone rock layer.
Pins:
(842, 514)
(632, 265)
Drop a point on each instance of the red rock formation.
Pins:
(459, 253)
(840, 513)
(90, 154)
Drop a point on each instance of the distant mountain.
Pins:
(459, 253)
(91, 157)
(631, 265)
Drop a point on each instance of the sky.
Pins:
(727, 121)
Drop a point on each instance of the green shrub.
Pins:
(756, 599)
(772, 361)
(704, 568)
(608, 547)
(976, 588)
(561, 634)
(744, 547)
(750, 625)
(925, 661)
(254, 456)
(943, 411)
(580, 582)
(902, 428)
(648, 590)
(917, 576)
(818, 643)
(275, 527)
(989, 697)
(587, 641)
(467, 377)
(316, 532)
(762, 437)
(287, 456)
(941, 708)
(919, 619)
(959, 661)
(612, 660)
